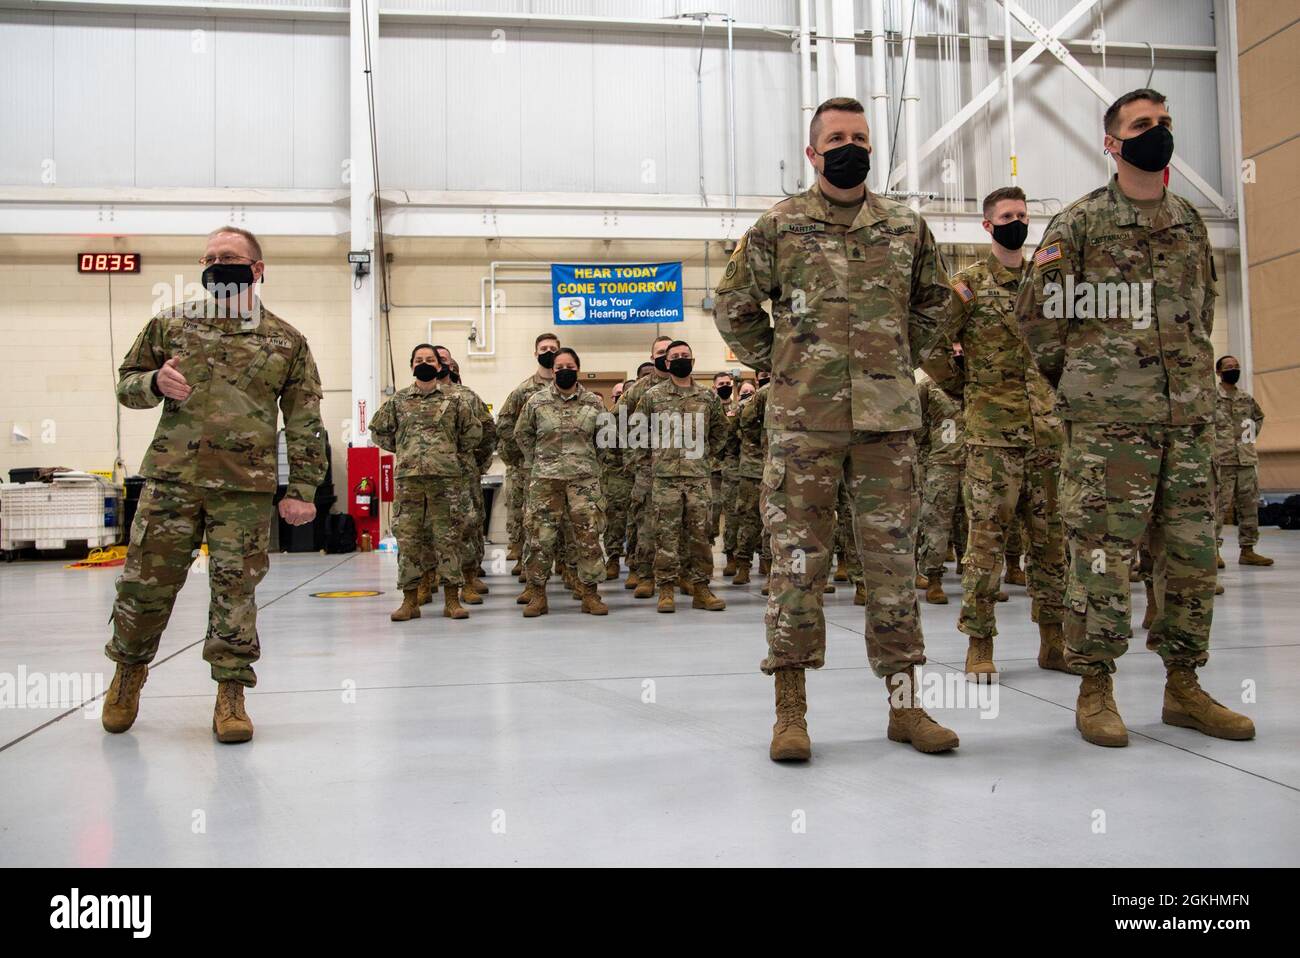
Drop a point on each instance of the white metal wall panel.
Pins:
(411, 103)
(767, 107)
(26, 98)
(630, 110)
(254, 103)
(557, 96)
(175, 68)
(94, 99)
(681, 54)
(484, 109)
(320, 103)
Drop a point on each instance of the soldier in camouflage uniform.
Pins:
(637, 462)
(473, 543)
(432, 427)
(749, 518)
(859, 295)
(943, 450)
(690, 426)
(219, 366)
(557, 433)
(617, 486)
(846, 550)
(644, 371)
(1237, 424)
(544, 349)
(1135, 387)
(1013, 441)
(724, 472)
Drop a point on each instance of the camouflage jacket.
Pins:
(224, 435)
(942, 438)
(481, 458)
(753, 437)
(1124, 366)
(558, 435)
(729, 459)
(684, 421)
(634, 459)
(1006, 398)
(434, 433)
(854, 311)
(1238, 421)
(510, 452)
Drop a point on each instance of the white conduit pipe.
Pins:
(879, 97)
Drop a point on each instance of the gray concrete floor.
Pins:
(499, 740)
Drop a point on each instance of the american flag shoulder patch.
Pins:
(964, 291)
(1048, 254)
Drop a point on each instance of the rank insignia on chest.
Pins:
(1048, 254)
(964, 291)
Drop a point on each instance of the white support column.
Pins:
(365, 339)
(843, 49)
(1236, 281)
(825, 67)
(806, 105)
(879, 97)
(910, 97)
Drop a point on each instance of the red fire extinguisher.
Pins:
(365, 496)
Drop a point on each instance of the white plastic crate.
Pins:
(76, 507)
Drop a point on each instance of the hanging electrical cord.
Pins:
(112, 378)
(898, 119)
(382, 255)
(699, 107)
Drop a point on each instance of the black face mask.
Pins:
(566, 378)
(681, 367)
(1011, 235)
(1230, 376)
(546, 360)
(424, 372)
(455, 377)
(846, 166)
(746, 397)
(661, 364)
(724, 392)
(763, 381)
(1150, 150)
(442, 372)
(226, 279)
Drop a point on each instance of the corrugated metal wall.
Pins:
(145, 100)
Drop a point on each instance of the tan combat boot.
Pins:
(685, 587)
(524, 597)
(790, 742)
(702, 597)
(742, 575)
(934, 593)
(611, 569)
(1150, 615)
(666, 603)
(122, 702)
(632, 580)
(860, 594)
(469, 595)
(451, 607)
(476, 583)
(979, 658)
(765, 590)
(908, 722)
(730, 567)
(1002, 596)
(424, 591)
(1015, 574)
(1218, 588)
(645, 589)
(1188, 706)
(764, 566)
(1250, 557)
(1096, 715)
(1051, 647)
(517, 569)
(570, 583)
(841, 570)
(536, 603)
(922, 582)
(512, 553)
(591, 602)
(410, 607)
(229, 720)
(1218, 560)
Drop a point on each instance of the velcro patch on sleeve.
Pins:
(964, 291)
(1048, 254)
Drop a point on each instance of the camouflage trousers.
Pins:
(800, 493)
(940, 496)
(429, 518)
(631, 522)
(749, 523)
(717, 483)
(552, 504)
(618, 492)
(1118, 481)
(472, 545)
(1238, 489)
(730, 515)
(845, 547)
(682, 532)
(996, 476)
(516, 494)
(170, 524)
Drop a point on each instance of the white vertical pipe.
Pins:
(365, 351)
(731, 104)
(879, 97)
(1011, 91)
(843, 49)
(910, 98)
(824, 61)
(806, 105)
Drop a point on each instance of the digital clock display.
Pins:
(108, 262)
